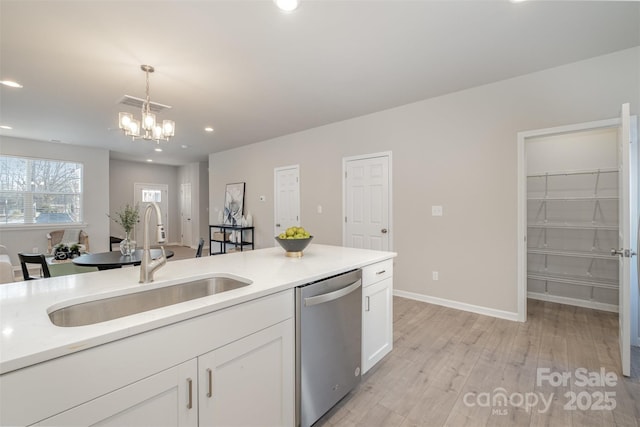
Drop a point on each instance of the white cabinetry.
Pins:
(163, 399)
(377, 312)
(250, 381)
(157, 377)
(211, 390)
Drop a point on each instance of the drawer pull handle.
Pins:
(367, 308)
(190, 402)
(210, 378)
(381, 272)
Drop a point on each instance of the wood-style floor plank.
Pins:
(445, 362)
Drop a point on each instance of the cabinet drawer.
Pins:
(376, 272)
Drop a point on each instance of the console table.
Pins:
(221, 234)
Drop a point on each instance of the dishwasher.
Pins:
(328, 343)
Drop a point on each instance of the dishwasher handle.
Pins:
(319, 299)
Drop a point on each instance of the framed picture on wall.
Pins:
(234, 203)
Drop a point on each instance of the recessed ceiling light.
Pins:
(158, 149)
(11, 83)
(184, 146)
(149, 160)
(208, 129)
(5, 127)
(287, 5)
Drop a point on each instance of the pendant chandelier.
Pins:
(147, 128)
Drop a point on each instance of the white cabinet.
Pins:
(250, 381)
(163, 399)
(377, 313)
(160, 377)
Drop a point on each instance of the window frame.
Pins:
(34, 193)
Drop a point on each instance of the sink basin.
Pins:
(91, 312)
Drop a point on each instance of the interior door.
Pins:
(367, 208)
(185, 214)
(142, 195)
(287, 198)
(624, 251)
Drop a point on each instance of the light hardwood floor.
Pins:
(448, 365)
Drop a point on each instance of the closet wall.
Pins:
(572, 218)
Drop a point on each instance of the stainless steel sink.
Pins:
(91, 312)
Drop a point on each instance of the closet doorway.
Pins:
(578, 203)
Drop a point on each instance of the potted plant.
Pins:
(74, 250)
(127, 219)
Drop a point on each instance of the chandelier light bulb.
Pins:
(134, 128)
(168, 127)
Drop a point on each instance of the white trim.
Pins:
(500, 314)
(522, 198)
(573, 301)
(44, 226)
(389, 156)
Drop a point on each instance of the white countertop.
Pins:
(27, 336)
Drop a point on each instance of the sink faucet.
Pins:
(148, 265)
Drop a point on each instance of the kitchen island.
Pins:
(67, 372)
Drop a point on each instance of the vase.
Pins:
(127, 246)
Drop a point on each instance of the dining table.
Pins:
(115, 259)
(65, 267)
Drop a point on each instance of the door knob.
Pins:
(627, 253)
(277, 225)
(384, 231)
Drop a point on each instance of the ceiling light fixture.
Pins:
(152, 131)
(5, 127)
(208, 129)
(11, 83)
(287, 5)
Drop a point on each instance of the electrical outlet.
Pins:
(434, 275)
(436, 210)
(319, 209)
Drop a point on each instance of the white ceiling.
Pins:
(254, 73)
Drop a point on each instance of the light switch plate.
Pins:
(436, 210)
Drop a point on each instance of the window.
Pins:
(39, 191)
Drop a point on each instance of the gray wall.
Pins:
(458, 151)
(122, 176)
(96, 205)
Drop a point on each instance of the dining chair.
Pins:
(33, 259)
(200, 246)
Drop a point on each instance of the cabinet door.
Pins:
(159, 400)
(377, 322)
(249, 382)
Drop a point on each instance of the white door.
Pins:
(142, 195)
(625, 250)
(287, 198)
(185, 214)
(367, 196)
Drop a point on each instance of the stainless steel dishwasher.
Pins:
(328, 343)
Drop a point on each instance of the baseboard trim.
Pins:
(573, 301)
(500, 314)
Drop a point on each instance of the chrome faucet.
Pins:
(148, 265)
